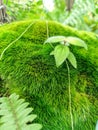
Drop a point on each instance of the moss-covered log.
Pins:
(30, 71)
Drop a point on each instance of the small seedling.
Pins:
(62, 52)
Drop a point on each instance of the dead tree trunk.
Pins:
(3, 14)
(69, 4)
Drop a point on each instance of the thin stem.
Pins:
(69, 91)
(15, 40)
(47, 29)
(48, 33)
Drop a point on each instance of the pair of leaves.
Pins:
(15, 114)
(61, 53)
(71, 40)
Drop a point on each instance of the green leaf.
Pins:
(52, 53)
(72, 59)
(76, 41)
(15, 114)
(61, 52)
(33, 127)
(97, 125)
(55, 39)
(29, 118)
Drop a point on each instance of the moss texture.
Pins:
(30, 71)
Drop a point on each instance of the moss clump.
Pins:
(31, 72)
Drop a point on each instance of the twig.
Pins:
(48, 33)
(69, 91)
(15, 40)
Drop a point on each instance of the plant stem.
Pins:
(69, 91)
(47, 29)
(16, 40)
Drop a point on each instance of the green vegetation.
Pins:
(15, 115)
(62, 52)
(30, 71)
(81, 14)
(49, 57)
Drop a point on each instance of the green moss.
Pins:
(31, 72)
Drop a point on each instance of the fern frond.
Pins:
(15, 114)
(80, 9)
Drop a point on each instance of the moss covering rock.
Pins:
(30, 71)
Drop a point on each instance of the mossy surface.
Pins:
(31, 72)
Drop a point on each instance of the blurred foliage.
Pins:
(59, 12)
(83, 15)
(27, 10)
